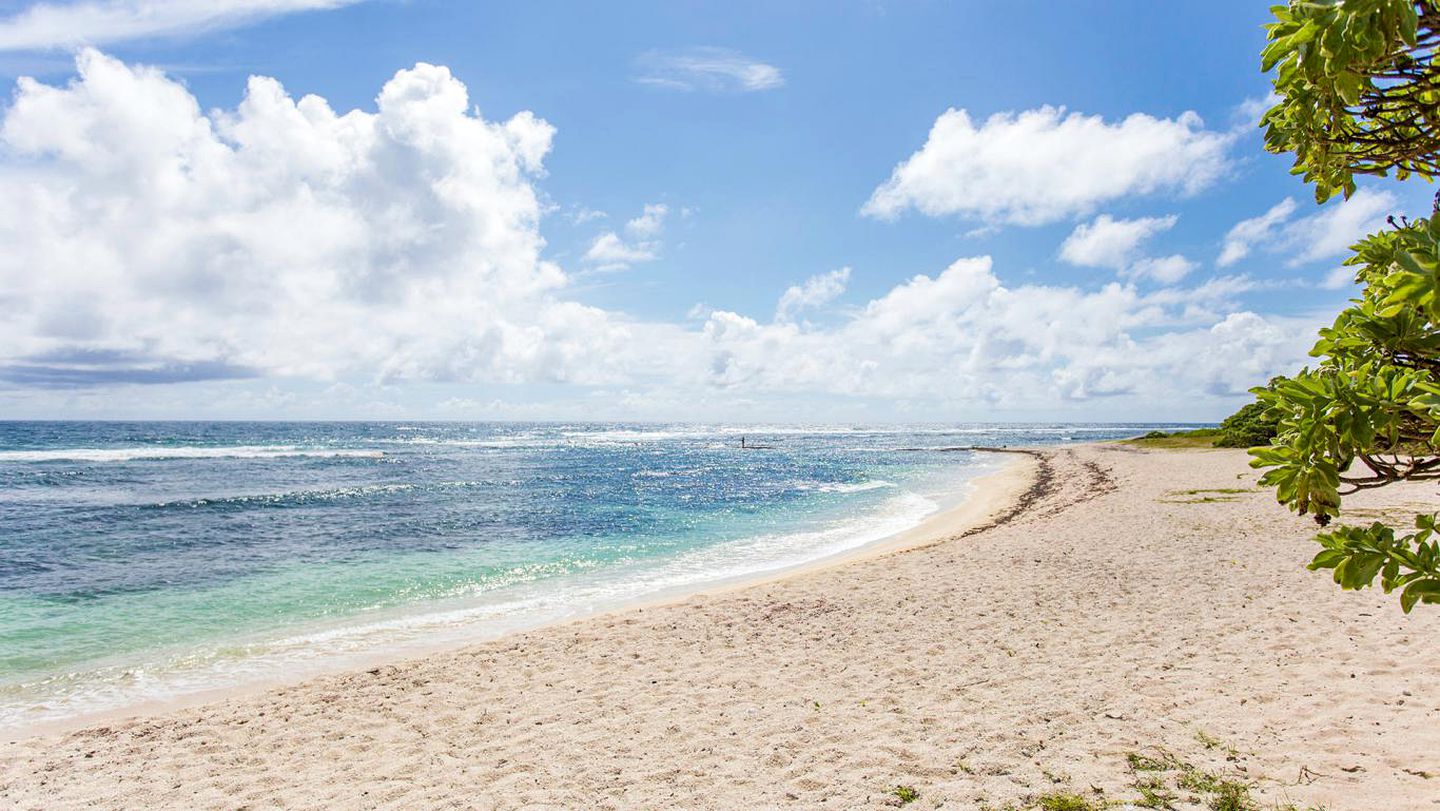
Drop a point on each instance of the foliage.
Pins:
(1157, 774)
(1357, 92)
(1195, 438)
(1369, 414)
(905, 794)
(1232, 796)
(1410, 563)
(1065, 802)
(1359, 95)
(1250, 426)
(1246, 428)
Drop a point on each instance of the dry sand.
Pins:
(1115, 612)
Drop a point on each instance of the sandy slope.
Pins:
(1114, 614)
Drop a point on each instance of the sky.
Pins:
(729, 211)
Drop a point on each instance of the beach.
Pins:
(1092, 619)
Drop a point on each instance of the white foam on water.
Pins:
(156, 452)
(847, 487)
(286, 656)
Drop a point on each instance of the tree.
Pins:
(1358, 95)
(1252, 425)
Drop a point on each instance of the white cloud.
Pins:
(817, 291)
(1332, 231)
(717, 69)
(149, 242)
(964, 336)
(1247, 113)
(101, 22)
(1043, 165)
(582, 214)
(1256, 229)
(279, 238)
(1111, 243)
(611, 252)
(1338, 279)
(650, 221)
(1164, 269)
(1326, 234)
(714, 69)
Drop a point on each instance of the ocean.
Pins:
(144, 561)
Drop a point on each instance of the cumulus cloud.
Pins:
(583, 214)
(1117, 244)
(1163, 269)
(814, 292)
(280, 237)
(1335, 228)
(1111, 243)
(1256, 229)
(650, 221)
(611, 252)
(1326, 234)
(102, 22)
(1044, 165)
(1338, 279)
(713, 69)
(1247, 114)
(964, 336)
(149, 242)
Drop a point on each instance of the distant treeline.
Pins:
(1246, 428)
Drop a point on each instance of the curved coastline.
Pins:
(1105, 612)
(991, 498)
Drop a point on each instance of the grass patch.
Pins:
(1199, 782)
(1181, 440)
(1065, 801)
(905, 794)
(1159, 776)
(1154, 793)
(1233, 796)
(1161, 762)
(1207, 496)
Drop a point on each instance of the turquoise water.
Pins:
(147, 560)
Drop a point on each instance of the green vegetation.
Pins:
(1146, 763)
(1204, 496)
(905, 794)
(1153, 793)
(1359, 95)
(1160, 776)
(1065, 802)
(1199, 438)
(1248, 427)
(1232, 796)
(1356, 88)
(1252, 425)
(1161, 779)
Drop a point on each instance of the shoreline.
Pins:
(993, 496)
(1132, 606)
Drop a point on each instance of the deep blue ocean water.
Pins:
(146, 560)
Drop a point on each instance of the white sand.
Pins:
(1114, 614)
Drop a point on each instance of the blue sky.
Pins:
(674, 170)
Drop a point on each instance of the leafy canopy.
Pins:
(1250, 426)
(1357, 90)
(1359, 95)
